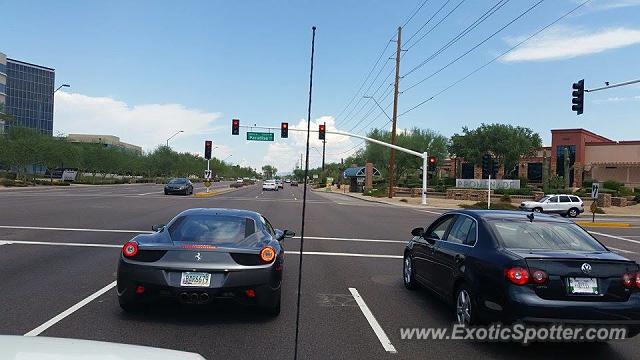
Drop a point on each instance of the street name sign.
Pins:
(259, 136)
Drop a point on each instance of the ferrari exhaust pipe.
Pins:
(184, 297)
(193, 298)
(204, 297)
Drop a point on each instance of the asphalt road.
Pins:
(59, 246)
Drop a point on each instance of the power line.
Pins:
(476, 46)
(497, 57)
(436, 25)
(487, 14)
(388, 92)
(349, 117)
(414, 13)
(384, 50)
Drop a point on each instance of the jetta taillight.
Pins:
(130, 249)
(517, 275)
(631, 280)
(539, 277)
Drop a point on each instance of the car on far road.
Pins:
(565, 205)
(280, 184)
(179, 186)
(287, 181)
(269, 185)
(203, 256)
(239, 181)
(294, 182)
(511, 267)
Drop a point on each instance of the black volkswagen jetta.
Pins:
(178, 186)
(509, 267)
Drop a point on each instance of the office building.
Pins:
(3, 85)
(27, 94)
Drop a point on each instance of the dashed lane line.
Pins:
(377, 329)
(37, 331)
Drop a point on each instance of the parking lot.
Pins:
(59, 249)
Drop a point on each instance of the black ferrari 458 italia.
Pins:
(512, 267)
(203, 255)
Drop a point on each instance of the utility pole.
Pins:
(324, 145)
(392, 158)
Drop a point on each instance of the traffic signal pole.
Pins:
(423, 155)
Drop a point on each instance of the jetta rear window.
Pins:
(540, 235)
(210, 229)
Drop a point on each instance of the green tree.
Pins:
(269, 171)
(507, 143)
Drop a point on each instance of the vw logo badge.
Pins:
(586, 268)
(198, 257)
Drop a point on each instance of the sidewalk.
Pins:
(450, 204)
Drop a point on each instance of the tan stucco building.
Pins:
(106, 140)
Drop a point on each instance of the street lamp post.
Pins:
(172, 136)
(60, 87)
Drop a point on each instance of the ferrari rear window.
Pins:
(208, 229)
(543, 236)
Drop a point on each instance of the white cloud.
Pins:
(147, 125)
(286, 155)
(609, 4)
(616, 99)
(561, 42)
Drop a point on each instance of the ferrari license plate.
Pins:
(583, 286)
(195, 279)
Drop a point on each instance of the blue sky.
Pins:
(143, 70)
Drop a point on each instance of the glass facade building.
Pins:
(29, 95)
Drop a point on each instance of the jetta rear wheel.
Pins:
(464, 307)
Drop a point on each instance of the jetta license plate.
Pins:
(583, 286)
(195, 279)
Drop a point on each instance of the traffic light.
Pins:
(284, 130)
(578, 97)
(495, 166)
(486, 165)
(207, 149)
(235, 127)
(431, 163)
(321, 132)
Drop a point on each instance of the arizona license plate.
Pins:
(195, 279)
(583, 286)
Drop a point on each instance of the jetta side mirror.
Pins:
(158, 227)
(417, 231)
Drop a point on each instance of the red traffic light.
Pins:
(235, 127)
(432, 160)
(284, 130)
(207, 149)
(321, 131)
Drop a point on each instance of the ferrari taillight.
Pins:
(130, 249)
(267, 254)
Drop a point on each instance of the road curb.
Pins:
(374, 200)
(220, 192)
(602, 224)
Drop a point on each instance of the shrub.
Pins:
(505, 198)
(521, 191)
(494, 206)
(636, 190)
(375, 192)
(625, 191)
(587, 183)
(8, 175)
(612, 184)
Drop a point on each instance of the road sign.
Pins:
(259, 136)
(315, 176)
(207, 174)
(595, 188)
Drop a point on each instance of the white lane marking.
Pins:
(24, 242)
(377, 329)
(621, 250)
(155, 192)
(74, 229)
(4, 243)
(430, 212)
(344, 254)
(615, 237)
(349, 239)
(37, 331)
